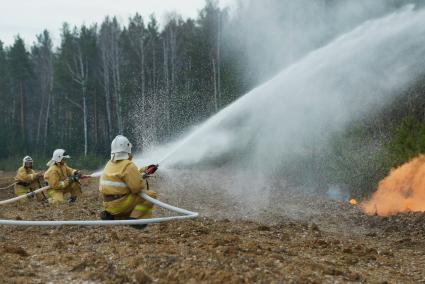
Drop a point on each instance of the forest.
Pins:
(108, 78)
(151, 82)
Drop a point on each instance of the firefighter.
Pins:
(27, 180)
(121, 183)
(62, 179)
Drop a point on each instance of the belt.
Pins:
(22, 183)
(108, 198)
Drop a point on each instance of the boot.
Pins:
(139, 226)
(72, 200)
(105, 216)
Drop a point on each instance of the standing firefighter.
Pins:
(121, 183)
(27, 179)
(62, 179)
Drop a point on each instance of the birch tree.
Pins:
(104, 41)
(109, 44)
(78, 69)
(137, 35)
(42, 56)
(77, 59)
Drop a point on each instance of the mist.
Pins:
(272, 34)
(247, 149)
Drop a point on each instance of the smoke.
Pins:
(338, 193)
(403, 190)
(253, 142)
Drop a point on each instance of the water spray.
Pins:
(178, 146)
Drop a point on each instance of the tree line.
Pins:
(151, 83)
(138, 80)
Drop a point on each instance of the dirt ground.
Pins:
(333, 243)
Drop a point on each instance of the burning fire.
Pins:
(403, 190)
(353, 201)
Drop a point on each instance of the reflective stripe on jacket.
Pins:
(120, 178)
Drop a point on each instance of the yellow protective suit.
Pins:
(27, 181)
(57, 178)
(120, 184)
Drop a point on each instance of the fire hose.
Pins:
(30, 194)
(186, 214)
(7, 187)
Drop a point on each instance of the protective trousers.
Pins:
(131, 206)
(22, 190)
(57, 195)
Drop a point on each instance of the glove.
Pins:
(151, 169)
(75, 177)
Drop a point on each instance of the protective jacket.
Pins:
(121, 177)
(25, 175)
(57, 178)
(25, 179)
(120, 185)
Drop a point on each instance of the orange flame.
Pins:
(403, 190)
(353, 201)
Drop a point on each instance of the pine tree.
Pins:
(6, 122)
(42, 57)
(21, 74)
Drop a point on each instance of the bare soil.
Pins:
(316, 241)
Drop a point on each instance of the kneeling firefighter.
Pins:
(62, 179)
(27, 180)
(121, 183)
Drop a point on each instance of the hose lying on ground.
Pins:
(187, 215)
(23, 196)
(10, 185)
(7, 187)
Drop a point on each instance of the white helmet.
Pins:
(58, 156)
(26, 159)
(120, 148)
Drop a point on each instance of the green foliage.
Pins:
(151, 83)
(12, 164)
(90, 162)
(407, 140)
(358, 159)
(138, 80)
(364, 154)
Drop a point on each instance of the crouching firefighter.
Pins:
(62, 179)
(121, 183)
(27, 180)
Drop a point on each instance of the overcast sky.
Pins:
(30, 17)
